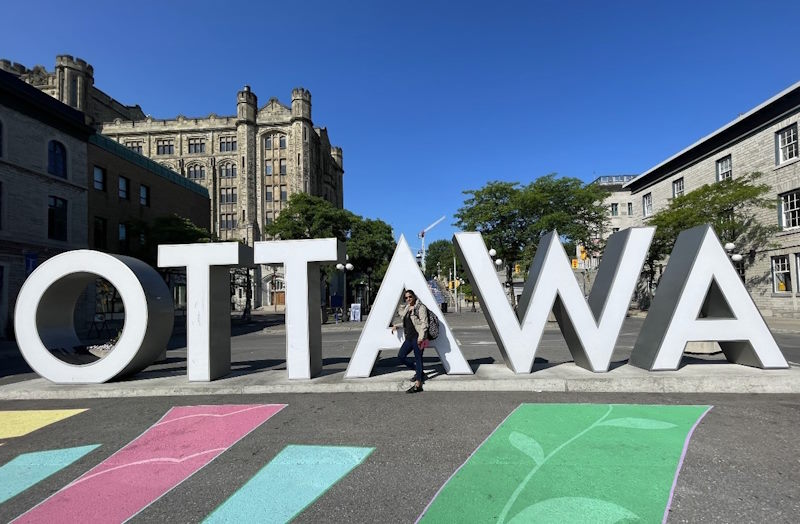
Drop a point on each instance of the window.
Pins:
(269, 196)
(677, 188)
(144, 195)
(100, 233)
(99, 178)
(1, 139)
(196, 172)
(781, 275)
(165, 147)
(305, 135)
(227, 143)
(283, 166)
(614, 229)
(56, 218)
(630, 208)
(1, 205)
(787, 144)
(790, 210)
(282, 141)
(724, 168)
(227, 195)
(647, 205)
(268, 142)
(268, 219)
(227, 170)
(124, 188)
(57, 159)
(614, 210)
(135, 145)
(123, 237)
(227, 221)
(283, 194)
(197, 145)
(268, 167)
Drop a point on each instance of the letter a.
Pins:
(403, 273)
(699, 278)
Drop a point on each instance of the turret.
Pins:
(246, 106)
(336, 153)
(301, 103)
(74, 81)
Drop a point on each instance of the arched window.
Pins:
(57, 159)
(227, 170)
(196, 172)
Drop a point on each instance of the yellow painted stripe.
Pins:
(19, 423)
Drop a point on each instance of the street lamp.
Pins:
(344, 268)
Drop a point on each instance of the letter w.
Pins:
(590, 329)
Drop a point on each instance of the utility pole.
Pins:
(422, 236)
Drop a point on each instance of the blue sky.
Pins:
(428, 99)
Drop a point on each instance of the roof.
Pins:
(754, 120)
(133, 157)
(29, 100)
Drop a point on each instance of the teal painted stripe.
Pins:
(289, 483)
(31, 468)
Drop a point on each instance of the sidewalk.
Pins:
(695, 377)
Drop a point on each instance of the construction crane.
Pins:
(422, 236)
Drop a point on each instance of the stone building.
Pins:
(65, 187)
(622, 213)
(765, 140)
(250, 162)
(72, 82)
(43, 190)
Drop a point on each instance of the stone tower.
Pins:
(246, 114)
(74, 81)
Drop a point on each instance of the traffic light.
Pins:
(583, 253)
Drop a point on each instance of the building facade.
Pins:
(65, 187)
(251, 162)
(72, 83)
(43, 185)
(765, 140)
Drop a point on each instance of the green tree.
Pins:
(438, 258)
(308, 216)
(730, 206)
(370, 248)
(513, 218)
(169, 229)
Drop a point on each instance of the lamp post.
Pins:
(498, 262)
(344, 268)
(735, 257)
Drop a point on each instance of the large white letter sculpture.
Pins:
(590, 330)
(208, 305)
(403, 273)
(44, 315)
(300, 259)
(700, 280)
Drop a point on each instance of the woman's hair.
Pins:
(411, 292)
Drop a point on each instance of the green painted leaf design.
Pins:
(637, 423)
(527, 445)
(563, 510)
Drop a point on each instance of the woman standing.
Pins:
(415, 326)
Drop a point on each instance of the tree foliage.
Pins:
(169, 229)
(370, 247)
(730, 206)
(308, 216)
(513, 218)
(438, 258)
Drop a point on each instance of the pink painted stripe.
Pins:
(183, 441)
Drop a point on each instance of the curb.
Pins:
(564, 378)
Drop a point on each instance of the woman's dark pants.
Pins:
(408, 346)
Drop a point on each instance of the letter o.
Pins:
(45, 309)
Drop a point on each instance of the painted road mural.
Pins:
(543, 463)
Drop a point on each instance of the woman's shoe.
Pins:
(414, 389)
